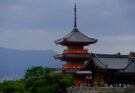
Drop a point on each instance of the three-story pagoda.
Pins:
(75, 55)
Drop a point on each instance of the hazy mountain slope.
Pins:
(14, 62)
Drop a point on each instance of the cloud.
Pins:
(41, 40)
(29, 39)
(114, 44)
(35, 24)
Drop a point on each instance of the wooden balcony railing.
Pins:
(75, 51)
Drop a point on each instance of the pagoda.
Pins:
(75, 55)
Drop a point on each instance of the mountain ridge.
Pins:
(14, 62)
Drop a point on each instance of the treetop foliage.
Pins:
(38, 80)
(36, 71)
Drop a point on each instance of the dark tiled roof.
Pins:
(70, 70)
(77, 36)
(60, 70)
(84, 72)
(108, 61)
(130, 67)
(76, 71)
(74, 55)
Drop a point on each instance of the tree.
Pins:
(14, 86)
(36, 71)
(38, 81)
(50, 83)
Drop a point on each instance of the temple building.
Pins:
(91, 68)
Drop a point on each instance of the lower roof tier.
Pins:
(73, 56)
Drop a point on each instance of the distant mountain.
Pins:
(13, 63)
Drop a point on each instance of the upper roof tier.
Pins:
(76, 37)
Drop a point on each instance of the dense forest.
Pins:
(38, 80)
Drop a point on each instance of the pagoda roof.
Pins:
(77, 56)
(73, 55)
(76, 37)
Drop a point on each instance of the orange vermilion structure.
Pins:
(75, 51)
(70, 66)
(75, 55)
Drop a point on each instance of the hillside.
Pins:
(14, 62)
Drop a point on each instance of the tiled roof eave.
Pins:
(64, 42)
(101, 64)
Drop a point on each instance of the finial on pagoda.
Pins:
(75, 17)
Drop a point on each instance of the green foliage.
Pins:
(12, 87)
(38, 80)
(36, 71)
(0, 87)
(51, 83)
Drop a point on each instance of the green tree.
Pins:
(38, 80)
(36, 71)
(50, 83)
(14, 86)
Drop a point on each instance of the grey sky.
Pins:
(35, 24)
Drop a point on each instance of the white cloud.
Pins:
(32, 24)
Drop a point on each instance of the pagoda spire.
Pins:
(75, 16)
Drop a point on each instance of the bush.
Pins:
(36, 71)
(51, 83)
(37, 80)
(12, 87)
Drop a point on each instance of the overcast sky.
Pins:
(36, 24)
